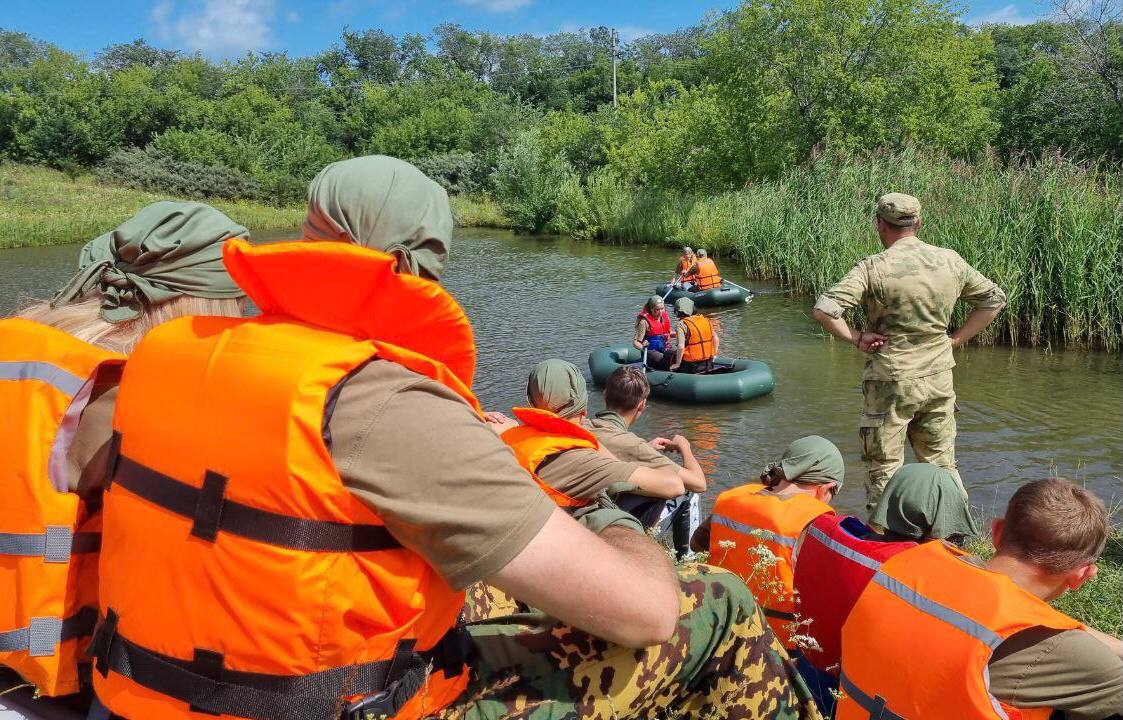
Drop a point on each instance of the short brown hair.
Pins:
(1055, 524)
(626, 388)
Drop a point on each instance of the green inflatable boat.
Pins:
(725, 295)
(732, 380)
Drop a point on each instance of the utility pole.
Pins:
(614, 67)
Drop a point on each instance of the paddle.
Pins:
(670, 289)
(750, 292)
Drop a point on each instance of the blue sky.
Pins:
(226, 28)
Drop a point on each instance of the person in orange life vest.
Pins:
(696, 342)
(704, 273)
(370, 362)
(653, 332)
(60, 363)
(837, 555)
(683, 279)
(977, 638)
(579, 470)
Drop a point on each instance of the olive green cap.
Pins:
(684, 306)
(898, 209)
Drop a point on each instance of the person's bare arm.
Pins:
(657, 482)
(690, 472)
(619, 585)
(976, 322)
(638, 341)
(867, 342)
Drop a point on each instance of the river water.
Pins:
(1023, 413)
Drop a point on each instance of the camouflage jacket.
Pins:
(908, 293)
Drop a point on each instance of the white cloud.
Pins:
(293, 16)
(223, 28)
(1006, 15)
(497, 6)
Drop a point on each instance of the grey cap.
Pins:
(684, 306)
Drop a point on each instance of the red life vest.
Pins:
(48, 537)
(240, 577)
(833, 564)
(657, 327)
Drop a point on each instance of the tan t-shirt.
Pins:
(584, 474)
(908, 293)
(443, 483)
(613, 433)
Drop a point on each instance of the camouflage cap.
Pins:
(898, 209)
(684, 306)
(701, 252)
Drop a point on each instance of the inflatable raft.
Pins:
(733, 380)
(725, 295)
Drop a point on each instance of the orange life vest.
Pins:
(707, 276)
(544, 434)
(239, 576)
(700, 345)
(48, 537)
(685, 262)
(917, 643)
(754, 519)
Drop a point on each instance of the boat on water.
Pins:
(716, 297)
(731, 380)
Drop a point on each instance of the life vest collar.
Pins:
(553, 423)
(356, 291)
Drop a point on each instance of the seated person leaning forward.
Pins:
(975, 638)
(837, 555)
(653, 333)
(625, 399)
(704, 274)
(369, 364)
(683, 279)
(565, 457)
(696, 343)
(60, 363)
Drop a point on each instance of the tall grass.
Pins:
(1049, 232)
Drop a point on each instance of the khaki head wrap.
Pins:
(166, 250)
(385, 204)
(684, 306)
(559, 387)
(898, 209)
(924, 502)
(813, 459)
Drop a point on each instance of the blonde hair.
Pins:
(82, 318)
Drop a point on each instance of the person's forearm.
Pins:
(837, 327)
(976, 322)
(692, 475)
(659, 483)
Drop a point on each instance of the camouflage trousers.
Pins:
(920, 409)
(722, 662)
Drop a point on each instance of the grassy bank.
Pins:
(478, 211)
(39, 206)
(1050, 233)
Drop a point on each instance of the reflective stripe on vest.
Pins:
(748, 520)
(48, 538)
(958, 613)
(543, 435)
(240, 575)
(708, 277)
(699, 344)
(833, 565)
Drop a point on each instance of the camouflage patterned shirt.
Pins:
(908, 293)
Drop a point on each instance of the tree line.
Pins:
(740, 98)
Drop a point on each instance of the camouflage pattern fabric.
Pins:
(921, 409)
(722, 662)
(908, 293)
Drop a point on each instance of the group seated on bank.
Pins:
(277, 516)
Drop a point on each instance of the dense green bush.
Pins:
(149, 170)
(528, 183)
(460, 173)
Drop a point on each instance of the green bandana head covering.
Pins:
(813, 459)
(923, 502)
(652, 303)
(559, 387)
(684, 306)
(166, 250)
(385, 204)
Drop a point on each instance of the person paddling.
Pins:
(974, 638)
(704, 273)
(653, 333)
(683, 278)
(696, 342)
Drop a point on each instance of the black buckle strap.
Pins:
(80, 624)
(211, 512)
(877, 707)
(777, 614)
(451, 652)
(210, 688)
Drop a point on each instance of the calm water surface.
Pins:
(1023, 413)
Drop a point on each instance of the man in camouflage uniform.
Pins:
(908, 293)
